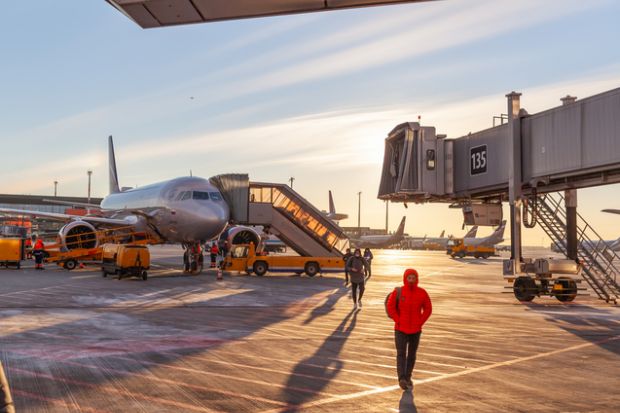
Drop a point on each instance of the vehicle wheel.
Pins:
(565, 289)
(260, 268)
(461, 255)
(486, 256)
(311, 268)
(525, 289)
(119, 274)
(145, 275)
(104, 273)
(476, 256)
(19, 265)
(70, 265)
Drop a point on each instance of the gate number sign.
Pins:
(478, 160)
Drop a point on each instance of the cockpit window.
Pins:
(203, 196)
(215, 196)
(184, 195)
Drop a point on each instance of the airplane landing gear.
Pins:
(193, 260)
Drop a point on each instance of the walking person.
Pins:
(410, 307)
(38, 252)
(345, 258)
(368, 257)
(357, 268)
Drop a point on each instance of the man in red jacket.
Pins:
(409, 315)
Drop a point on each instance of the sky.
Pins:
(310, 96)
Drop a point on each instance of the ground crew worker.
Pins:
(345, 258)
(28, 246)
(357, 268)
(214, 251)
(38, 251)
(409, 314)
(368, 257)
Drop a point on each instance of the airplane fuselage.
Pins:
(183, 210)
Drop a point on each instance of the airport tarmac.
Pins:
(77, 342)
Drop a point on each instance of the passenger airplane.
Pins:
(187, 210)
(332, 214)
(490, 241)
(380, 241)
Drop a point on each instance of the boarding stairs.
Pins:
(282, 212)
(287, 215)
(598, 260)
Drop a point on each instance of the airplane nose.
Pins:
(215, 220)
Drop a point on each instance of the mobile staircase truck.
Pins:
(243, 258)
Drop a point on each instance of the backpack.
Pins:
(397, 291)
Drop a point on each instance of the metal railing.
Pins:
(598, 259)
(302, 213)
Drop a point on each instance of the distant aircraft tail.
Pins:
(498, 235)
(472, 232)
(401, 228)
(112, 165)
(442, 233)
(332, 207)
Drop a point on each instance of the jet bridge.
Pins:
(575, 145)
(283, 213)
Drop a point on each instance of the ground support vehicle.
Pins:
(125, 260)
(457, 249)
(243, 257)
(70, 260)
(539, 277)
(12, 252)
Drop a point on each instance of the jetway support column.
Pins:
(570, 202)
(514, 178)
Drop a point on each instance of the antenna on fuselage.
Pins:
(112, 165)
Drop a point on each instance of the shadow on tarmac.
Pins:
(327, 307)
(171, 338)
(582, 325)
(407, 405)
(323, 363)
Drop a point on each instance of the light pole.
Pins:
(89, 173)
(291, 179)
(55, 188)
(359, 210)
(386, 215)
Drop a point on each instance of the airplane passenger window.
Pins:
(215, 196)
(202, 196)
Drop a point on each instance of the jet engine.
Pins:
(78, 234)
(242, 235)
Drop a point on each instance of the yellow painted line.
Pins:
(446, 376)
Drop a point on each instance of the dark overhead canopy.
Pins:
(160, 13)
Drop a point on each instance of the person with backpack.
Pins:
(345, 258)
(357, 267)
(410, 307)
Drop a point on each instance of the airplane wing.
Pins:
(66, 217)
(79, 204)
(612, 211)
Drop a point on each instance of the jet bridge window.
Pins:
(430, 159)
(201, 196)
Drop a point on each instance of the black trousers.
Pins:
(406, 349)
(354, 287)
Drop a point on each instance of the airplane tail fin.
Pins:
(499, 232)
(442, 233)
(332, 207)
(112, 165)
(472, 232)
(401, 228)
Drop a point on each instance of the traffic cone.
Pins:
(219, 273)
